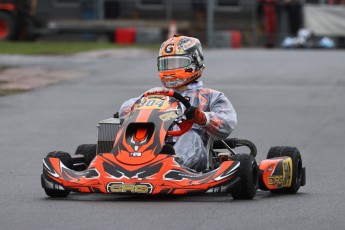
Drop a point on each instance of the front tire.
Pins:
(249, 178)
(294, 154)
(57, 193)
(88, 151)
(64, 157)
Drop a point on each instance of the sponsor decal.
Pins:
(186, 43)
(168, 116)
(190, 175)
(275, 180)
(283, 180)
(119, 187)
(176, 175)
(179, 50)
(153, 103)
(135, 154)
(169, 48)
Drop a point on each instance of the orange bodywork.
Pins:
(154, 114)
(276, 172)
(140, 135)
(161, 176)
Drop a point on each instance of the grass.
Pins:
(5, 92)
(60, 48)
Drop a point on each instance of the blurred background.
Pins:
(217, 23)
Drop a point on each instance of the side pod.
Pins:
(276, 173)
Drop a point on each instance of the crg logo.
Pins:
(129, 188)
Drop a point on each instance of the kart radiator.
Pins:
(106, 133)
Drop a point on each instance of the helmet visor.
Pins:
(173, 62)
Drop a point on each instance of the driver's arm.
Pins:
(126, 108)
(221, 118)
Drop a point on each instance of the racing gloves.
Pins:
(193, 114)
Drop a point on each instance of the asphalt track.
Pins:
(282, 98)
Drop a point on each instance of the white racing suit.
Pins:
(221, 121)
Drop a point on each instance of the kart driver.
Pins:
(180, 65)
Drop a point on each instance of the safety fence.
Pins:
(218, 23)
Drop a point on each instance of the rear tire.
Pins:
(88, 151)
(7, 26)
(294, 154)
(249, 178)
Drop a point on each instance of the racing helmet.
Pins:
(180, 61)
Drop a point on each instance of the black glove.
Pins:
(194, 115)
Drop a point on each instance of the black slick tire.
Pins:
(88, 151)
(248, 173)
(66, 159)
(294, 154)
(57, 193)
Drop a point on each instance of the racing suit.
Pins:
(221, 121)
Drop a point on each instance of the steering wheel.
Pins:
(185, 125)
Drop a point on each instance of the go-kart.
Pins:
(134, 158)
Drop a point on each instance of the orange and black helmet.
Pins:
(180, 61)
